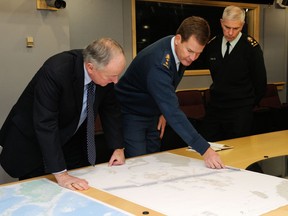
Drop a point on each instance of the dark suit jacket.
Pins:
(47, 114)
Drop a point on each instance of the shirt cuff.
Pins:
(60, 172)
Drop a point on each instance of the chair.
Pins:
(206, 96)
(270, 115)
(103, 151)
(271, 98)
(98, 126)
(191, 103)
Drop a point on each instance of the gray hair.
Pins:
(233, 13)
(101, 51)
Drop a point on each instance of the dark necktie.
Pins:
(181, 69)
(227, 49)
(91, 148)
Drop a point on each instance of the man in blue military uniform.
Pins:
(147, 92)
(239, 79)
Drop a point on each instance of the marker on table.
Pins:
(232, 168)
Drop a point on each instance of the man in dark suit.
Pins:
(239, 79)
(45, 130)
(147, 92)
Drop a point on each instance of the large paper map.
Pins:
(178, 185)
(43, 197)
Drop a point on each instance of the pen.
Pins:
(232, 168)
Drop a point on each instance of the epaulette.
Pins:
(166, 60)
(212, 39)
(252, 41)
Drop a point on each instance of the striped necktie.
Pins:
(91, 148)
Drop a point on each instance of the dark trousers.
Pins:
(75, 154)
(140, 135)
(223, 124)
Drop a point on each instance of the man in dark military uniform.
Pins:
(239, 79)
(147, 92)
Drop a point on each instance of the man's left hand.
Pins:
(161, 125)
(117, 158)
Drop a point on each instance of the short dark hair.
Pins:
(196, 26)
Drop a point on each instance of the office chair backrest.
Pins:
(191, 103)
(271, 98)
(98, 125)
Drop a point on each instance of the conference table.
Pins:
(250, 149)
(245, 151)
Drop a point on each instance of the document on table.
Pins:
(214, 146)
(178, 185)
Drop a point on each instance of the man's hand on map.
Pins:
(117, 158)
(212, 159)
(73, 183)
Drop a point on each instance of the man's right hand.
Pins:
(73, 183)
(212, 159)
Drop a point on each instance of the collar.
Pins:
(232, 43)
(177, 61)
(87, 78)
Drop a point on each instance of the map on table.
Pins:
(43, 197)
(178, 185)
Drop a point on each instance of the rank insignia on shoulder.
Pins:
(166, 61)
(212, 39)
(252, 41)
